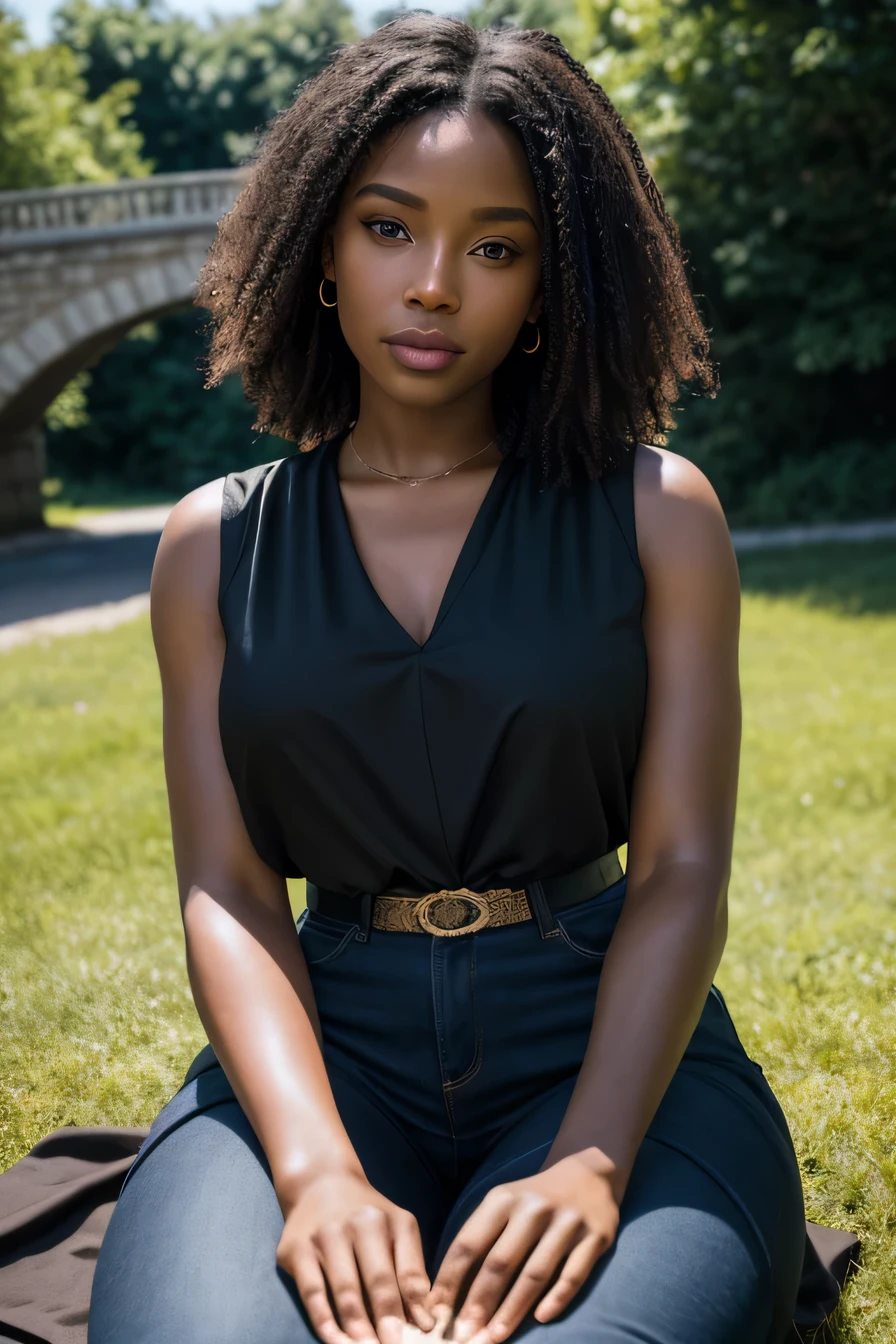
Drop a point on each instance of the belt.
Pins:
(454, 911)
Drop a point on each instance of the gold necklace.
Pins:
(412, 480)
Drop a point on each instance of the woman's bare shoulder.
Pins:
(679, 519)
(187, 562)
(197, 514)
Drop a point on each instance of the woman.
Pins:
(491, 1084)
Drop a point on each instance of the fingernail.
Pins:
(395, 1327)
(463, 1331)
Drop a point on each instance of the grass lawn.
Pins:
(97, 1024)
(65, 505)
(70, 515)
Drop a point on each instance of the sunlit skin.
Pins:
(431, 264)
(435, 264)
(356, 1256)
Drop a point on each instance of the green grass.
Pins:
(97, 1025)
(69, 515)
(66, 504)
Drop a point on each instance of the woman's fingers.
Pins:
(373, 1246)
(478, 1234)
(337, 1259)
(581, 1261)
(312, 1288)
(489, 1288)
(563, 1235)
(410, 1267)
(357, 1258)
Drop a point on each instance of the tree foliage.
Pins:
(202, 93)
(151, 426)
(52, 129)
(771, 128)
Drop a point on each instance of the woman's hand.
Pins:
(562, 1218)
(341, 1233)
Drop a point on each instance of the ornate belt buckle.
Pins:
(441, 912)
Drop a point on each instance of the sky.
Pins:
(37, 13)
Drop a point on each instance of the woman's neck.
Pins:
(421, 440)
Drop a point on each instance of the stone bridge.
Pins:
(79, 266)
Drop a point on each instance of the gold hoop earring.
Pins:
(536, 345)
(322, 299)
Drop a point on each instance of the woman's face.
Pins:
(438, 229)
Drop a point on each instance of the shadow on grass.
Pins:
(854, 578)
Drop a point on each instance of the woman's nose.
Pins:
(434, 282)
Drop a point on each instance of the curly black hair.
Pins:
(619, 325)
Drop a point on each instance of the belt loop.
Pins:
(365, 914)
(541, 910)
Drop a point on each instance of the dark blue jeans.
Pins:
(452, 1061)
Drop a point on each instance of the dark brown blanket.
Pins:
(56, 1202)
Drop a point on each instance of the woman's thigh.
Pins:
(190, 1250)
(685, 1267)
(712, 1230)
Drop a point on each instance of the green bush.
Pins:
(152, 426)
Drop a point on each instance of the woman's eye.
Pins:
(386, 224)
(510, 252)
(390, 224)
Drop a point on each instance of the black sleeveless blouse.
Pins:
(501, 750)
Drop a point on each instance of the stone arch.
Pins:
(36, 364)
(80, 265)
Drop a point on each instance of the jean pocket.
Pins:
(323, 939)
(588, 927)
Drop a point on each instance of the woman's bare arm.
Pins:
(671, 933)
(244, 960)
(243, 957)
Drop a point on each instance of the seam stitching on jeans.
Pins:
(582, 951)
(346, 938)
(476, 1062)
(370, 1096)
(436, 979)
(472, 1070)
(730, 1192)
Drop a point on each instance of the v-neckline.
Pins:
(466, 557)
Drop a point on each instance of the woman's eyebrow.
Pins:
(485, 212)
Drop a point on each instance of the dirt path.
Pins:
(67, 581)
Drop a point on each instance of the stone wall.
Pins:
(23, 465)
(79, 267)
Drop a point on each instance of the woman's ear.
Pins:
(534, 312)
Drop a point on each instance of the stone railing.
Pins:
(48, 215)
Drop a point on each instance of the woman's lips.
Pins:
(418, 357)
